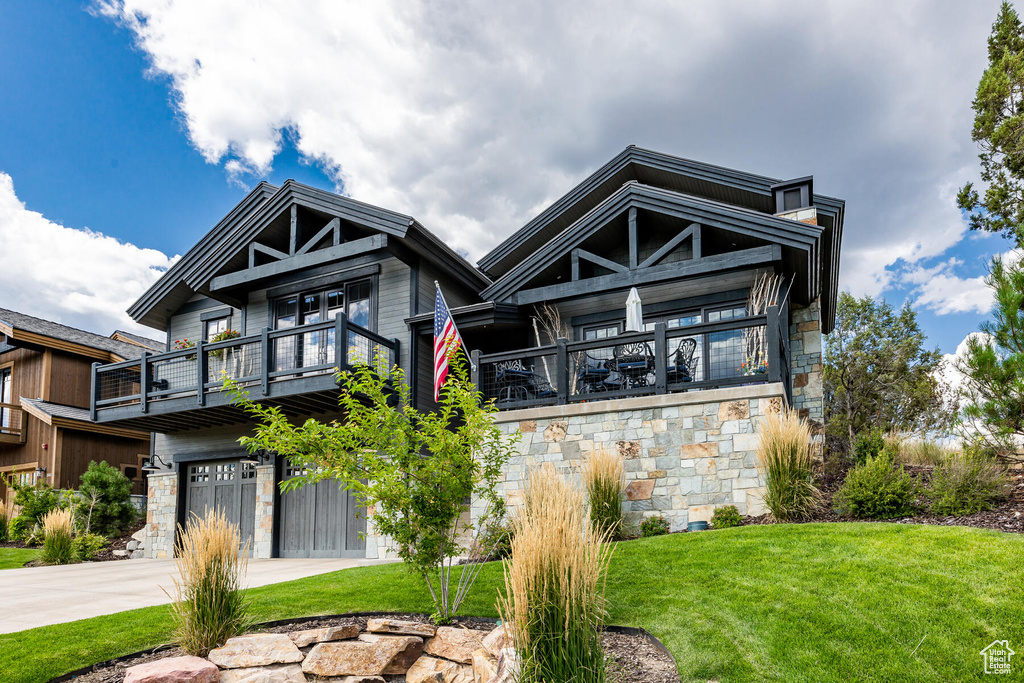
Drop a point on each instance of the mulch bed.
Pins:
(631, 658)
(105, 555)
(1008, 516)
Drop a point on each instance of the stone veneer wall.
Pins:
(686, 454)
(161, 514)
(263, 530)
(805, 362)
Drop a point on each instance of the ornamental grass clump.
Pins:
(968, 482)
(209, 603)
(604, 479)
(553, 603)
(58, 525)
(785, 461)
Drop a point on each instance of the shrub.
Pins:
(654, 526)
(867, 444)
(104, 502)
(19, 529)
(877, 489)
(58, 526)
(86, 546)
(3, 522)
(603, 475)
(785, 460)
(553, 602)
(966, 483)
(34, 502)
(725, 517)
(209, 603)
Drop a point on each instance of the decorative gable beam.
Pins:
(334, 226)
(634, 243)
(266, 251)
(691, 230)
(578, 254)
(293, 230)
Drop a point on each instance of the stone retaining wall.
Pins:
(686, 454)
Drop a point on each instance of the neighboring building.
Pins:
(292, 269)
(45, 427)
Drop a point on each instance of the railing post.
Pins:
(95, 392)
(341, 342)
(396, 349)
(562, 371)
(265, 356)
(773, 343)
(202, 370)
(474, 369)
(660, 359)
(144, 382)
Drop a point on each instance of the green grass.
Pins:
(13, 558)
(814, 602)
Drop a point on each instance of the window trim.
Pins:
(320, 291)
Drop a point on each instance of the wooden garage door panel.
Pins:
(320, 520)
(230, 487)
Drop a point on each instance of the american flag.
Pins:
(446, 340)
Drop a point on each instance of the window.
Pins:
(215, 327)
(791, 200)
(316, 348)
(6, 389)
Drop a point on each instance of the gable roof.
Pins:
(648, 167)
(228, 242)
(146, 342)
(19, 327)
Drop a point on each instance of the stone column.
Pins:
(263, 534)
(161, 514)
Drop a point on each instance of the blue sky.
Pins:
(147, 122)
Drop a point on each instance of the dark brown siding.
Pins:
(79, 448)
(70, 378)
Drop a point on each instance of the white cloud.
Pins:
(77, 277)
(473, 116)
(940, 289)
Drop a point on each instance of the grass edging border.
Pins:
(624, 630)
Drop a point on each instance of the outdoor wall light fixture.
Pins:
(40, 472)
(260, 457)
(148, 466)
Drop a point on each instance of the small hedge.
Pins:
(654, 526)
(725, 517)
(878, 489)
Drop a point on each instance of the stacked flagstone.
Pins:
(422, 653)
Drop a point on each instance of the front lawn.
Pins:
(13, 558)
(811, 602)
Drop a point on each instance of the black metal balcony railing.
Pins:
(752, 350)
(256, 362)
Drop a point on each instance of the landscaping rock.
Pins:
(485, 667)
(140, 535)
(361, 679)
(323, 635)
(260, 649)
(174, 670)
(496, 641)
(400, 627)
(132, 545)
(456, 644)
(119, 553)
(137, 555)
(362, 657)
(411, 647)
(508, 667)
(289, 673)
(433, 670)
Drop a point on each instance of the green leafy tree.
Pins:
(104, 503)
(414, 470)
(999, 132)
(992, 392)
(877, 373)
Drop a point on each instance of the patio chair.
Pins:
(592, 374)
(517, 382)
(681, 368)
(634, 362)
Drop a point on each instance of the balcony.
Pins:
(292, 368)
(12, 424)
(751, 350)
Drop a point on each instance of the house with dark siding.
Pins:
(731, 280)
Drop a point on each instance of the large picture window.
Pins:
(315, 349)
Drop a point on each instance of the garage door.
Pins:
(227, 485)
(320, 520)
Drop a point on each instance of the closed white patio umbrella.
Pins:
(634, 312)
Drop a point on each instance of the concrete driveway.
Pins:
(39, 596)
